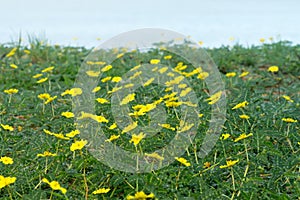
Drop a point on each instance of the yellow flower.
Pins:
(154, 155)
(127, 99)
(289, 120)
(240, 105)
(37, 76)
(184, 127)
(130, 127)
(273, 69)
(243, 74)
(54, 185)
(206, 165)
(48, 69)
(135, 74)
(104, 80)
(46, 154)
(214, 98)
(200, 43)
(96, 89)
(148, 82)
(7, 127)
(185, 92)
(182, 86)
(101, 191)
(120, 55)
(230, 74)
(200, 115)
(4, 181)
(163, 70)
(102, 100)
(92, 73)
(113, 126)
(183, 161)
(287, 98)
(262, 40)
(11, 91)
(225, 136)
(50, 99)
(167, 126)
(27, 51)
(137, 138)
(129, 85)
(6, 160)
(175, 81)
(60, 136)
(154, 61)
(170, 74)
(13, 66)
(67, 114)
(135, 68)
(42, 80)
(203, 75)
(73, 133)
(12, 52)
(168, 57)
(244, 116)
(44, 96)
(242, 136)
(112, 138)
(116, 79)
(74, 92)
(140, 196)
(229, 163)
(106, 68)
(78, 145)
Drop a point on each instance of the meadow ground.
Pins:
(256, 157)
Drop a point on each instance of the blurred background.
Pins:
(88, 23)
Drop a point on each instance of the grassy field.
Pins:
(256, 157)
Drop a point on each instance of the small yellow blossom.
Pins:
(183, 161)
(137, 138)
(244, 116)
(12, 52)
(120, 55)
(185, 92)
(140, 196)
(154, 155)
(7, 127)
(116, 79)
(112, 138)
(73, 133)
(154, 61)
(115, 89)
(67, 114)
(104, 80)
(4, 181)
(42, 80)
(127, 99)
(130, 127)
(167, 126)
(273, 69)
(37, 76)
(113, 126)
(78, 145)
(135, 68)
(48, 69)
(136, 74)
(175, 81)
(11, 91)
(225, 136)
(230, 74)
(46, 154)
(92, 73)
(44, 96)
(50, 99)
(242, 136)
(106, 68)
(206, 165)
(262, 40)
(74, 92)
(287, 98)
(229, 163)
(148, 82)
(54, 185)
(6, 160)
(168, 57)
(214, 98)
(27, 51)
(243, 74)
(163, 70)
(13, 66)
(96, 89)
(102, 100)
(200, 115)
(240, 105)
(203, 75)
(289, 120)
(101, 191)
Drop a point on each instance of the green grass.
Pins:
(269, 162)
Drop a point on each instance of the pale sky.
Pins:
(211, 21)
